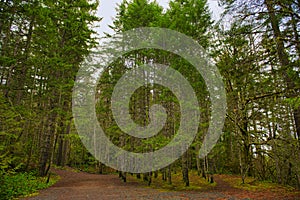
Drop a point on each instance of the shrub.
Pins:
(21, 184)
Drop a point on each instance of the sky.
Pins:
(107, 10)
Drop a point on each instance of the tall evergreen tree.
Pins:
(42, 45)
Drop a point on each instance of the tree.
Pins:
(42, 45)
(273, 26)
(192, 18)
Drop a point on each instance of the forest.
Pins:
(255, 46)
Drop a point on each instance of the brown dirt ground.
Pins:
(81, 185)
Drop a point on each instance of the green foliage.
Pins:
(293, 102)
(10, 121)
(21, 184)
(137, 13)
(191, 18)
(42, 45)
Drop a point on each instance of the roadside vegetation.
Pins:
(23, 184)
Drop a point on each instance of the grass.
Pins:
(251, 184)
(196, 182)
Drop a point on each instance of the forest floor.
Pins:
(80, 185)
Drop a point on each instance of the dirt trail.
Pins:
(81, 186)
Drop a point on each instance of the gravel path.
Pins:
(83, 186)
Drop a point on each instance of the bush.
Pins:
(21, 184)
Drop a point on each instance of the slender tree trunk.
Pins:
(170, 174)
(164, 174)
(185, 169)
(101, 168)
(23, 72)
(198, 161)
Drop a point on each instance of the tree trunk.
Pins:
(101, 168)
(46, 146)
(170, 174)
(284, 60)
(185, 169)
(198, 161)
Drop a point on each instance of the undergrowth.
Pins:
(196, 182)
(251, 184)
(22, 184)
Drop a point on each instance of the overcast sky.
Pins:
(107, 10)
